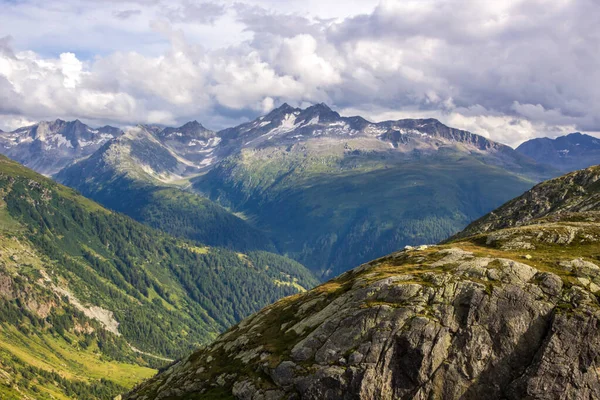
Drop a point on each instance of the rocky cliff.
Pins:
(505, 313)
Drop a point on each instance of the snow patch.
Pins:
(287, 125)
(60, 141)
(27, 139)
(375, 130)
(196, 142)
(313, 121)
(214, 141)
(207, 161)
(405, 131)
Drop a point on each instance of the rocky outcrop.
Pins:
(443, 322)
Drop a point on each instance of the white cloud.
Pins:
(71, 69)
(12, 122)
(299, 57)
(509, 70)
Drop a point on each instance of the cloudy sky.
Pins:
(506, 69)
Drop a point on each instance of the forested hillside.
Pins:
(84, 290)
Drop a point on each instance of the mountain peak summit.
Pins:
(192, 125)
(322, 111)
(284, 108)
(321, 106)
(575, 134)
(567, 153)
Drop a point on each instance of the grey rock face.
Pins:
(439, 323)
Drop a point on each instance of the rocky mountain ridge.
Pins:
(509, 313)
(289, 126)
(573, 194)
(47, 147)
(196, 148)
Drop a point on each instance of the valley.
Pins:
(299, 200)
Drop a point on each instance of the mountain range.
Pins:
(507, 309)
(336, 191)
(141, 174)
(195, 230)
(326, 190)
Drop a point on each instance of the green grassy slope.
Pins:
(330, 211)
(79, 285)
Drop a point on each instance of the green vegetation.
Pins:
(43, 364)
(73, 275)
(330, 211)
(191, 216)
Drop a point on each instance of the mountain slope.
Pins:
(48, 147)
(575, 193)
(133, 175)
(566, 153)
(510, 313)
(89, 292)
(335, 191)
